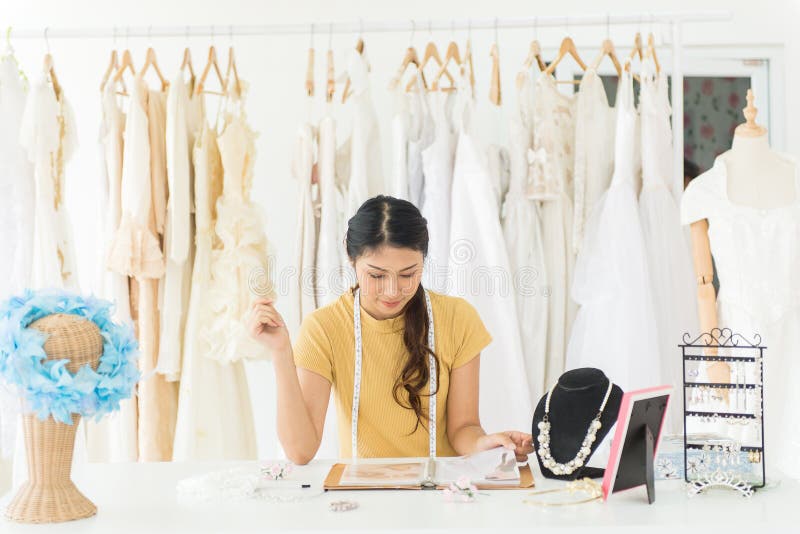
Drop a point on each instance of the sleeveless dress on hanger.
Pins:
(437, 162)
(668, 252)
(476, 239)
(615, 327)
(552, 160)
(756, 253)
(522, 229)
(594, 150)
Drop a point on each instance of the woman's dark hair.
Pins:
(385, 220)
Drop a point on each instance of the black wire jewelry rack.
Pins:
(723, 345)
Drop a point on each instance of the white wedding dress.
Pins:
(412, 133)
(594, 150)
(479, 255)
(552, 160)
(522, 229)
(756, 254)
(668, 252)
(615, 327)
(308, 219)
(16, 185)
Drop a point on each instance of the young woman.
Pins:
(375, 347)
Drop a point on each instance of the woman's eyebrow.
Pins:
(382, 269)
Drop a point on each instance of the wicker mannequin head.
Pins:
(71, 338)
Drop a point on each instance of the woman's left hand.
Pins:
(519, 442)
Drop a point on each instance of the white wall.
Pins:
(275, 68)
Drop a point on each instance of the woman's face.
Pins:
(388, 277)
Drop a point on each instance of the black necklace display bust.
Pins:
(574, 403)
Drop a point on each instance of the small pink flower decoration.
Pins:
(462, 490)
(276, 470)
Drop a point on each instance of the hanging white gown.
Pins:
(366, 173)
(183, 120)
(16, 220)
(594, 150)
(668, 252)
(332, 267)
(113, 438)
(756, 254)
(437, 160)
(308, 220)
(552, 160)
(522, 229)
(615, 327)
(412, 132)
(48, 134)
(16, 185)
(479, 255)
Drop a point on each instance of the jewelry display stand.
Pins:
(715, 459)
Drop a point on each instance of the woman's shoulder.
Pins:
(449, 305)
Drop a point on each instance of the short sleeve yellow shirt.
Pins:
(326, 346)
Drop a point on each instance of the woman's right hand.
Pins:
(267, 327)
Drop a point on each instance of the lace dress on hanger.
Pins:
(615, 327)
(240, 269)
(668, 252)
(552, 160)
(522, 229)
(48, 134)
(594, 150)
(756, 254)
(476, 238)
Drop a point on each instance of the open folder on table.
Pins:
(493, 469)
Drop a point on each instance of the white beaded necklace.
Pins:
(583, 453)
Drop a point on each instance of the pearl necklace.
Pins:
(583, 454)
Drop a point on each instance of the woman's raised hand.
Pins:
(267, 327)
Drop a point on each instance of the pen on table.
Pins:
(288, 484)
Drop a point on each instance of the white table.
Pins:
(142, 498)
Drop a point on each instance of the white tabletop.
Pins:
(143, 498)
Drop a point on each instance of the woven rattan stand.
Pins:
(49, 495)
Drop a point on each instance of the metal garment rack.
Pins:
(674, 19)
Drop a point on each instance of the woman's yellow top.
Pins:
(326, 346)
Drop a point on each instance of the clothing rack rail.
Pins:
(674, 19)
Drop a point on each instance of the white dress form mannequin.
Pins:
(750, 156)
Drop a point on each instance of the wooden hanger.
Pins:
(567, 48)
(651, 51)
(151, 61)
(113, 65)
(125, 64)
(233, 70)
(637, 47)
(494, 87)
(607, 49)
(51, 73)
(310, 73)
(451, 54)
(411, 58)
(431, 52)
(187, 62)
(212, 62)
(330, 85)
(469, 65)
(534, 54)
(347, 92)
